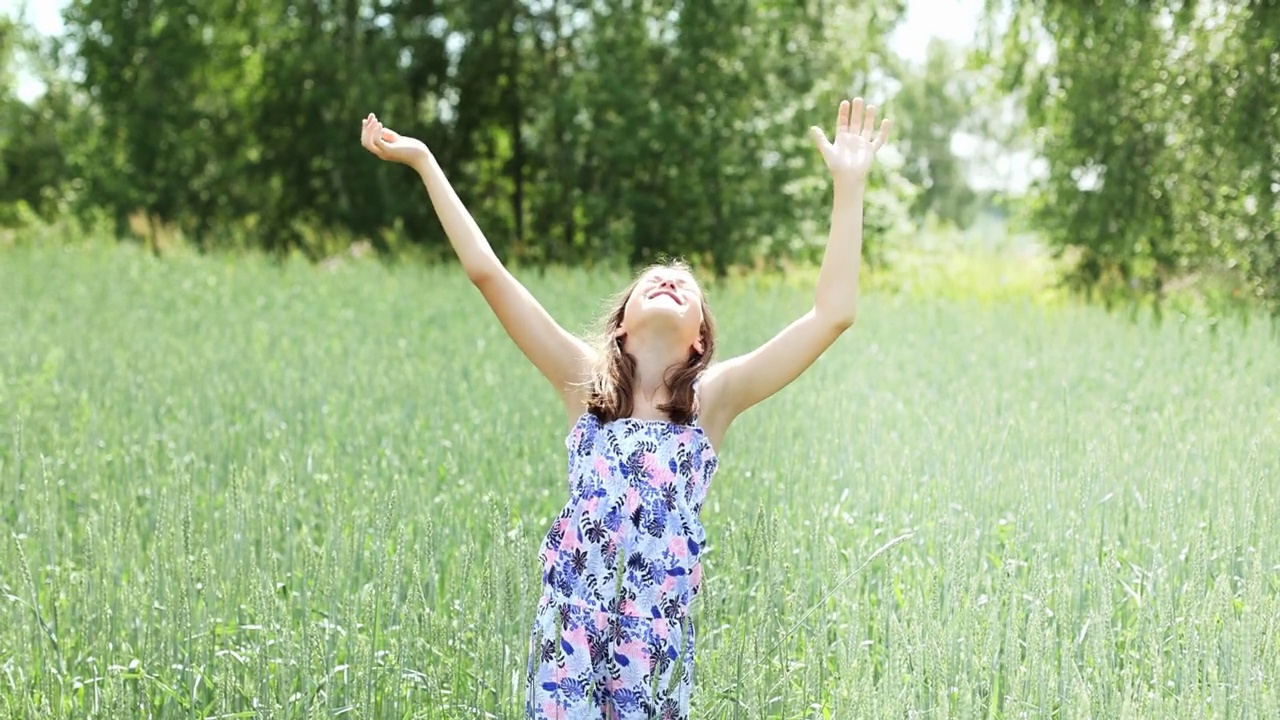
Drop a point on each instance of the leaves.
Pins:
(1162, 140)
(606, 132)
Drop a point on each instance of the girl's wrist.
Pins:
(849, 189)
(422, 164)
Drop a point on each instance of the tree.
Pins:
(1159, 126)
(33, 160)
(604, 131)
(934, 104)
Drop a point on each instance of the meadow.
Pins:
(239, 489)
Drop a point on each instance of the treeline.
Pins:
(575, 130)
(616, 130)
(1160, 123)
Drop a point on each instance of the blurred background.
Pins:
(1115, 148)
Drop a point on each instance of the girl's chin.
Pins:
(666, 317)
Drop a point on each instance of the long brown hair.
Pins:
(612, 388)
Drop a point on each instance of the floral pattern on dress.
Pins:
(620, 566)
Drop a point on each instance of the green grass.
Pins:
(232, 489)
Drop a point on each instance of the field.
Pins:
(236, 489)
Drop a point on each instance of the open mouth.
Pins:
(669, 294)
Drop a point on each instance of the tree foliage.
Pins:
(604, 131)
(937, 101)
(1160, 123)
(32, 163)
(617, 131)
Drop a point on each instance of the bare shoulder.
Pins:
(715, 414)
(730, 388)
(576, 396)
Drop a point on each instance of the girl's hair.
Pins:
(612, 388)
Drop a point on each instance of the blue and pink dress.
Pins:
(612, 637)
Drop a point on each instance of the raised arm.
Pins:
(731, 387)
(562, 358)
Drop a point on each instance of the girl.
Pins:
(646, 411)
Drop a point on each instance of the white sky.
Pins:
(46, 15)
(955, 20)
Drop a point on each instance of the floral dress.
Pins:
(612, 639)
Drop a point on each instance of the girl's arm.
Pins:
(561, 357)
(733, 386)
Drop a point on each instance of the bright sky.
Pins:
(46, 15)
(955, 20)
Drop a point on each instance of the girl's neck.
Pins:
(653, 362)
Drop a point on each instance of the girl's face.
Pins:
(667, 299)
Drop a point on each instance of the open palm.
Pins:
(851, 155)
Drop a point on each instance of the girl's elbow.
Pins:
(839, 318)
(479, 276)
(483, 273)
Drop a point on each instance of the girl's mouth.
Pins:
(668, 293)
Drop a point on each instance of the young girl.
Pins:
(646, 410)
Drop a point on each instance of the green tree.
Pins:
(8, 43)
(320, 67)
(935, 103)
(33, 158)
(170, 137)
(8, 102)
(1160, 128)
(698, 124)
(606, 131)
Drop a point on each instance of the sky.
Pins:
(955, 20)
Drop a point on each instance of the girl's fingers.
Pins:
(869, 122)
(855, 116)
(820, 141)
(375, 137)
(885, 126)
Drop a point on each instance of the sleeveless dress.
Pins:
(612, 638)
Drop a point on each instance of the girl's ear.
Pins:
(697, 346)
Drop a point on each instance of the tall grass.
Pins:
(233, 489)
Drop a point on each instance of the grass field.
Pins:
(232, 489)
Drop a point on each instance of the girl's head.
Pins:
(664, 311)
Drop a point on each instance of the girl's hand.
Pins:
(390, 145)
(849, 158)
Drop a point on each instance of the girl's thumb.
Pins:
(819, 139)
